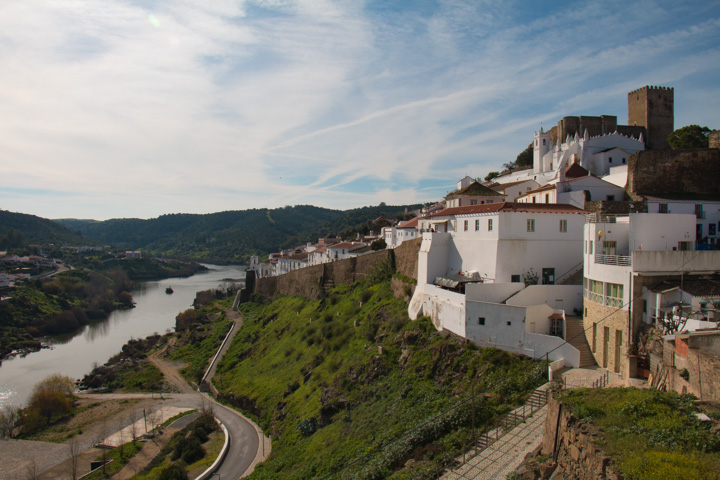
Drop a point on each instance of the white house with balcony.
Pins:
(631, 265)
(472, 275)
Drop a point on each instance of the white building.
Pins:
(706, 212)
(402, 232)
(632, 264)
(472, 276)
(513, 190)
(473, 194)
(574, 187)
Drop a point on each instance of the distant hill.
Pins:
(228, 237)
(37, 230)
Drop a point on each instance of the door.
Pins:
(618, 349)
(606, 344)
(548, 276)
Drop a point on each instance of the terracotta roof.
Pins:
(540, 189)
(475, 189)
(576, 170)
(346, 245)
(697, 286)
(509, 207)
(503, 186)
(412, 223)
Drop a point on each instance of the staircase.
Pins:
(575, 336)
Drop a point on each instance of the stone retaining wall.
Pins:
(572, 444)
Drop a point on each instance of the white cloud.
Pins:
(127, 110)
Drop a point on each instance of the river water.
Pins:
(75, 354)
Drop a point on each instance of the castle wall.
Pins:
(662, 172)
(310, 282)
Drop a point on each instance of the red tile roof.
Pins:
(412, 223)
(509, 207)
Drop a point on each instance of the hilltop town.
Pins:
(610, 232)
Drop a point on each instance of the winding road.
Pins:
(245, 449)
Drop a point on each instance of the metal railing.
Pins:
(617, 260)
(604, 217)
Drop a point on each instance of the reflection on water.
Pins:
(73, 354)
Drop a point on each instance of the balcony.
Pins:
(617, 260)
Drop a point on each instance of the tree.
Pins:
(52, 396)
(692, 136)
(379, 244)
(491, 175)
(525, 158)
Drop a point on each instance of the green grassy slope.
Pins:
(352, 383)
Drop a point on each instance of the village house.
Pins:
(513, 190)
(402, 232)
(475, 263)
(635, 266)
(474, 193)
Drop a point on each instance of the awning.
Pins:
(438, 222)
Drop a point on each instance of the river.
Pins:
(75, 354)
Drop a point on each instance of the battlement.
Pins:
(651, 88)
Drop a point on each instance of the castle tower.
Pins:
(653, 108)
(541, 146)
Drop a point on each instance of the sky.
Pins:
(133, 108)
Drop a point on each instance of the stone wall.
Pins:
(703, 368)
(406, 258)
(616, 208)
(572, 445)
(667, 172)
(609, 332)
(714, 139)
(310, 282)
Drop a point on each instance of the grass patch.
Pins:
(649, 434)
(119, 456)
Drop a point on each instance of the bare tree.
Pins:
(121, 438)
(133, 428)
(675, 320)
(9, 421)
(74, 455)
(32, 470)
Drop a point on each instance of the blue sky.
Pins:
(116, 108)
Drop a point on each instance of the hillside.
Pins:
(231, 236)
(352, 377)
(37, 230)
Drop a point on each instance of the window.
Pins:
(614, 294)
(547, 198)
(530, 224)
(534, 199)
(455, 225)
(610, 160)
(515, 278)
(711, 229)
(543, 141)
(683, 246)
(563, 225)
(509, 323)
(663, 208)
(481, 320)
(465, 225)
(477, 225)
(699, 211)
(611, 198)
(624, 160)
(489, 224)
(591, 247)
(473, 202)
(595, 291)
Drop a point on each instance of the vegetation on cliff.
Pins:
(650, 434)
(352, 377)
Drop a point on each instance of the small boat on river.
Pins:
(169, 290)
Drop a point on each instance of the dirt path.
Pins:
(170, 371)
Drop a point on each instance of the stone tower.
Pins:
(653, 108)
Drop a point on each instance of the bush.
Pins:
(173, 472)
